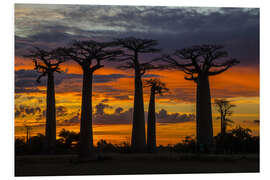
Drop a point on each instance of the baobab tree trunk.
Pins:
(86, 134)
(50, 132)
(204, 113)
(138, 129)
(151, 124)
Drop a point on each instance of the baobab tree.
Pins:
(199, 63)
(133, 47)
(156, 87)
(46, 63)
(88, 55)
(224, 108)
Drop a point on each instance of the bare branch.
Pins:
(226, 66)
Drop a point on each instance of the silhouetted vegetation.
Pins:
(224, 108)
(236, 141)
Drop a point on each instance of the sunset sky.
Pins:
(51, 26)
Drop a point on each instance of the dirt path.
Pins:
(58, 165)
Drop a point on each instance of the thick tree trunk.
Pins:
(138, 129)
(204, 113)
(50, 132)
(86, 134)
(151, 124)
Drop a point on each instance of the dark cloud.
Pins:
(73, 119)
(256, 121)
(100, 108)
(25, 80)
(119, 110)
(108, 78)
(105, 100)
(27, 90)
(163, 117)
(23, 110)
(119, 117)
(122, 97)
(61, 111)
(173, 27)
(125, 117)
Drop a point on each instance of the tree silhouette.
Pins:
(156, 87)
(133, 48)
(46, 63)
(28, 128)
(198, 63)
(224, 108)
(88, 54)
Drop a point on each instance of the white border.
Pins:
(7, 77)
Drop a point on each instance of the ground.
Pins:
(113, 163)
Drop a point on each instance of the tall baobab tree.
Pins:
(156, 87)
(224, 108)
(88, 55)
(198, 63)
(46, 63)
(133, 47)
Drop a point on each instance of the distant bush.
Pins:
(19, 145)
(238, 140)
(68, 141)
(188, 145)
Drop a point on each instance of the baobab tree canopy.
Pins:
(86, 52)
(206, 60)
(157, 87)
(45, 61)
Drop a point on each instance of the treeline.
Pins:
(197, 62)
(236, 141)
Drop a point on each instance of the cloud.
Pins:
(163, 117)
(24, 110)
(25, 81)
(256, 121)
(73, 120)
(120, 116)
(173, 27)
(119, 110)
(27, 90)
(122, 97)
(108, 78)
(61, 111)
(100, 108)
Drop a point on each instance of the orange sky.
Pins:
(239, 84)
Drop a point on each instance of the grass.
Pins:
(115, 163)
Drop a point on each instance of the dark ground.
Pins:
(113, 164)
